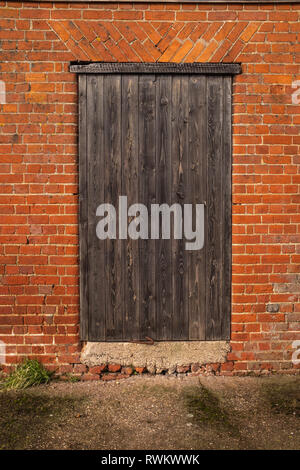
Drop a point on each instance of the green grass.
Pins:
(27, 374)
(71, 378)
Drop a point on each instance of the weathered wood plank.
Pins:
(147, 196)
(95, 172)
(179, 191)
(214, 208)
(163, 195)
(130, 188)
(112, 180)
(197, 190)
(226, 209)
(83, 212)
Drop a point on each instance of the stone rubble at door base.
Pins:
(110, 372)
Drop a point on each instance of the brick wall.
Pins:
(39, 308)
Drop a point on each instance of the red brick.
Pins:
(39, 305)
(114, 367)
(79, 368)
(227, 366)
(97, 369)
(90, 377)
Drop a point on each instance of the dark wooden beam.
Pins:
(155, 68)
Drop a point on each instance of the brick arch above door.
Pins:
(141, 40)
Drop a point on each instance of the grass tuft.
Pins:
(70, 378)
(27, 374)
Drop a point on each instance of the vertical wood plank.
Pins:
(163, 195)
(214, 266)
(179, 194)
(95, 172)
(130, 188)
(112, 178)
(197, 190)
(83, 212)
(147, 196)
(227, 208)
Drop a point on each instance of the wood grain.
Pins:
(147, 196)
(155, 138)
(95, 172)
(112, 181)
(130, 188)
(83, 211)
(197, 194)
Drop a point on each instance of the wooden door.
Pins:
(158, 135)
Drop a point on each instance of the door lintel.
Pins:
(210, 68)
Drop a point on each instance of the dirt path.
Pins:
(157, 412)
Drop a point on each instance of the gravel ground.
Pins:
(155, 412)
